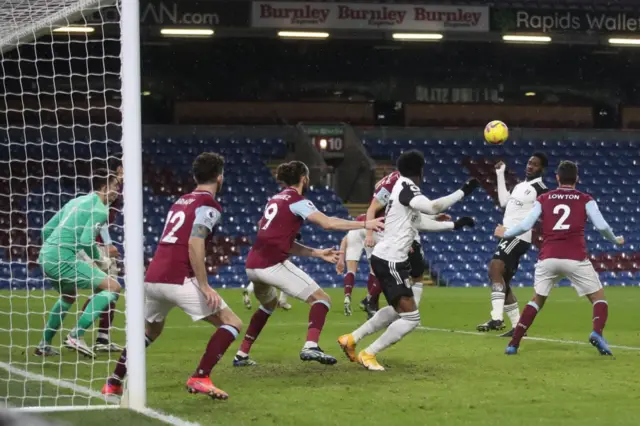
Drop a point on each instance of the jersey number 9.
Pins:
(270, 213)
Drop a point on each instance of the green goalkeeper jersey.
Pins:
(75, 226)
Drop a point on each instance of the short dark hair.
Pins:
(543, 158)
(290, 173)
(207, 167)
(101, 177)
(567, 173)
(411, 163)
(114, 163)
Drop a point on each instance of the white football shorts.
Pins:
(284, 276)
(161, 298)
(355, 244)
(581, 273)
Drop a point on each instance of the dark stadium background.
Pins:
(260, 99)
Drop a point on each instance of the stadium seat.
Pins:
(608, 172)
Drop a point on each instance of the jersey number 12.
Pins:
(177, 220)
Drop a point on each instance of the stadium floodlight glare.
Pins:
(526, 38)
(74, 29)
(625, 41)
(303, 34)
(530, 93)
(417, 36)
(187, 32)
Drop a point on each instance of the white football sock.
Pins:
(282, 299)
(513, 312)
(417, 292)
(497, 302)
(249, 287)
(380, 320)
(407, 322)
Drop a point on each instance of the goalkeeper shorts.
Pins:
(67, 273)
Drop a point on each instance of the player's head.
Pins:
(410, 164)
(536, 165)
(567, 173)
(208, 169)
(106, 182)
(115, 164)
(294, 173)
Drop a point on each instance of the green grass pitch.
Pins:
(433, 377)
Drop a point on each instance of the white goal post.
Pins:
(60, 119)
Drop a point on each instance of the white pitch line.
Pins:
(172, 420)
(443, 330)
(538, 339)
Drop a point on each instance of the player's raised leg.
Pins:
(393, 276)
(107, 292)
(266, 295)
(547, 274)
(380, 320)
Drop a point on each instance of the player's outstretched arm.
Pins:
(595, 216)
(337, 224)
(372, 211)
(503, 193)
(330, 255)
(526, 224)
(429, 225)
(412, 196)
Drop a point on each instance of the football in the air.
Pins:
(496, 132)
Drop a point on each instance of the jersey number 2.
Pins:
(177, 220)
(270, 213)
(566, 211)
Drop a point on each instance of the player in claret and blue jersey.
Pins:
(269, 268)
(563, 253)
(177, 277)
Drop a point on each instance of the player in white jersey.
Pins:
(506, 258)
(405, 214)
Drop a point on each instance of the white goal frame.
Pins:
(135, 395)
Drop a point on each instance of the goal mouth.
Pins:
(63, 86)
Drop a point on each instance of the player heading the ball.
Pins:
(563, 254)
(269, 268)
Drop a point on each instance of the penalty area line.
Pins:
(166, 418)
(537, 339)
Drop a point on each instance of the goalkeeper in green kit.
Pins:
(71, 230)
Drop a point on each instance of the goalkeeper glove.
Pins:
(469, 186)
(464, 221)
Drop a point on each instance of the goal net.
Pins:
(60, 122)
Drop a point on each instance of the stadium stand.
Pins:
(608, 171)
